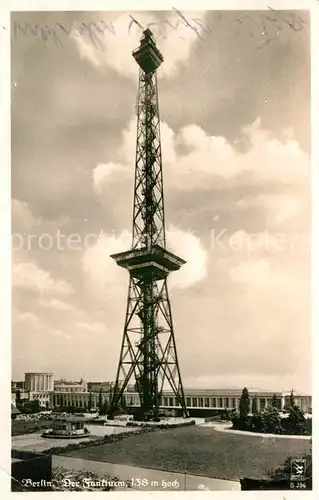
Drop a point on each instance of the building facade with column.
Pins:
(199, 402)
(39, 386)
(39, 382)
(100, 386)
(206, 402)
(64, 385)
(78, 399)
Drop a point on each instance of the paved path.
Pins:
(226, 427)
(35, 442)
(147, 479)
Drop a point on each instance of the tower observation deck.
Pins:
(148, 351)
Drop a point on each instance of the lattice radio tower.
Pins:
(148, 351)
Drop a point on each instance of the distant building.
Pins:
(105, 386)
(39, 386)
(100, 386)
(44, 398)
(70, 386)
(200, 402)
(13, 398)
(205, 402)
(77, 399)
(19, 394)
(39, 382)
(17, 385)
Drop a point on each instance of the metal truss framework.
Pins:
(148, 351)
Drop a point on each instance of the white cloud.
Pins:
(86, 50)
(56, 304)
(260, 272)
(60, 333)
(99, 268)
(103, 272)
(288, 209)
(29, 275)
(264, 160)
(22, 216)
(175, 44)
(102, 172)
(193, 137)
(210, 160)
(92, 327)
(27, 319)
(189, 247)
(249, 243)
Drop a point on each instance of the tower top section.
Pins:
(148, 56)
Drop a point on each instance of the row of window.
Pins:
(73, 389)
(209, 402)
(205, 402)
(75, 402)
(195, 402)
(170, 401)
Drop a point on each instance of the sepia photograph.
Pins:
(161, 257)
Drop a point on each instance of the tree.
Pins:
(123, 406)
(244, 405)
(295, 423)
(30, 406)
(272, 420)
(257, 423)
(274, 401)
(90, 401)
(291, 402)
(100, 403)
(104, 409)
(292, 398)
(254, 405)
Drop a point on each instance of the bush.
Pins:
(272, 421)
(68, 409)
(28, 407)
(295, 423)
(241, 423)
(269, 421)
(308, 426)
(227, 414)
(258, 423)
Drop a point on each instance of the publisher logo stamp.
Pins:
(298, 473)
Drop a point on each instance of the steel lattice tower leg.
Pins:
(148, 351)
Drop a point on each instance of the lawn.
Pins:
(200, 451)
(19, 427)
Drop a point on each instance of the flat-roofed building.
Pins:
(64, 385)
(78, 399)
(39, 381)
(17, 384)
(203, 402)
(100, 386)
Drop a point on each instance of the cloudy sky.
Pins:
(234, 104)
